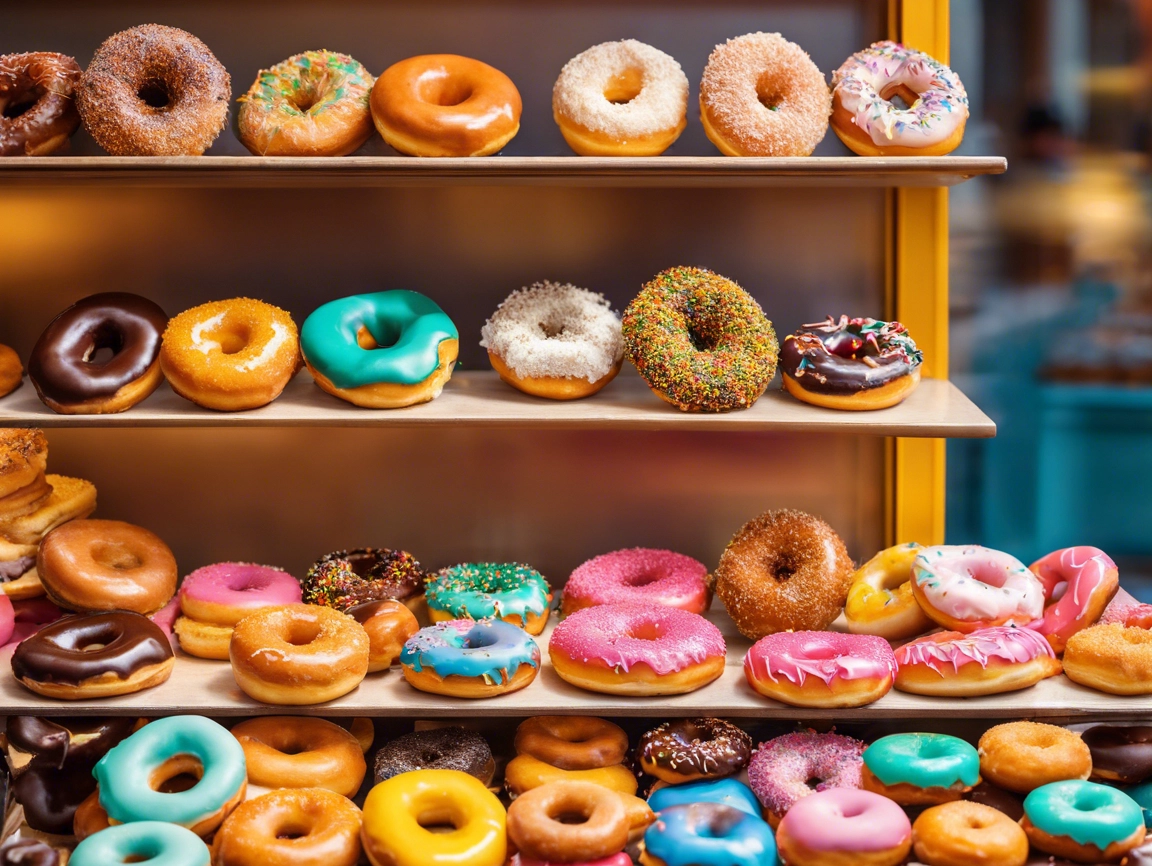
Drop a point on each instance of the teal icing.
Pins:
(124, 773)
(1142, 795)
(477, 590)
(408, 327)
(723, 792)
(1086, 812)
(492, 649)
(707, 834)
(923, 761)
(143, 842)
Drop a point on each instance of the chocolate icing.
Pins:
(708, 747)
(451, 748)
(849, 355)
(50, 797)
(999, 799)
(28, 852)
(129, 325)
(1123, 752)
(16, 568)
(55, 743)
(55, 653)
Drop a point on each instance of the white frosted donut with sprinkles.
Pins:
(968, 587)
(870, 124)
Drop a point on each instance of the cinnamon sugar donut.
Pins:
(37, 110)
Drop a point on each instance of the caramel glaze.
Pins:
(61, 365)
(55, 654)
(28, 852)
(37, 89)
(1124, 753)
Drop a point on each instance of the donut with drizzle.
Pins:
(782, 769)
(984, 662)
(688, 750)
(1078, 584)
(820, 668)
(470, 659)
(880, 599)
(513, 592)
(965, 588)
(640, 575)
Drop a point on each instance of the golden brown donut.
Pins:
(1022, 756)
(572, 742)
(536, 827)
(71, 499)
(23, 458)
(524, 773)
(1111, 658)
(36, 98)
(964, 833)
(25, 500)
(11, 370)
(301, 752)
(389, 624)
(298, 826)
(205, 640)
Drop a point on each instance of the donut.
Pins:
(572, 742)
(450, 748)
(855, 364)
(37, 106)
(554, 340)
(142, 842)
(384, 350)
(27, 851)
(312, 104)
(298, 654)
(23, 459)
(880, 600)
(866, 120)
(445, 105)
(786, 769)
(920, 769)
(725, 792)
(820, 668)
(1079, 582)
(525, 772)
(961, 833)
(99, 356)
(700, 341)
(11, 370)
(397, 810)
(344, 579)
(987, 794)
(639, 576)
(708, 833)
(301, 826)
(468, 659)
(536, 829)
(389, 625)
(26, 500)
(621, 99)
(984, 662)
(1022, 756)
(512, 592)
(688, 750)
(129, 777)
(633, 649)
(301, 752)
(70, 499)
(1111, 658)
(964, 588)
(784, 571)
(226, 592)
(18, 578)
(762, 95)
(58, 661)
(154, 91)
(1082, 821)
(1120, 753)
(842, 825)
(230, 355)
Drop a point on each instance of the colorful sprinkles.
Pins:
(350, 577)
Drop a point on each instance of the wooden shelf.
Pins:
(360, 171)
(478, 398)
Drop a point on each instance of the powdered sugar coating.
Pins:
(781, 768)
(555, 330)
(640, 575)
(947, 652)
(795, 656)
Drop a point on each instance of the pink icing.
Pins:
(780, 769)
(166, 616)
(7, 619)
(241, 584)
(795, 656)
(31, 614)
(621, 636)
(947, 652)
(1073, 579)
(1121, 607)
(977, 586)
(620, 859)
(847, 820)
(640, 575)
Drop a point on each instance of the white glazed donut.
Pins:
(965, 588)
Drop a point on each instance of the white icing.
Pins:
(977, 584)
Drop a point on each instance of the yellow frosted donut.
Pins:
(524, 773)
(880, 599)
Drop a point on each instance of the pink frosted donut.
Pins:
(985, 662)
(835, 825)
(225, 593)
(640, 575)
(964, 588)
(635, 649)
(821, 668)
(781, 769)
(7, 619)
(1078, 584)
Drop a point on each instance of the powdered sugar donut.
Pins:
(821, 668)
(621, 99)
(225, 593)
(969, 587)
(554, 340)
(782, 769)
(642, 576)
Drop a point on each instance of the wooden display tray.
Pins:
(478, 398)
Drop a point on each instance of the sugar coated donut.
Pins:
(450, 748)
(312, 104)
(786, 769)
(510, 591)
(984, 662)
(842, 825)
(298, 654)
(389, 625)
(708, 833)
(154, 91)
(300, 826)
(70, 499)
(1111, 658)
(728, 791)
(1079, 582)
(230, 355)
(525, 772)
(536, 829)
(344, 579)
(687, 750)
(920, 769)
(621, 99)
(384, 350)
(301, 752)
(155, 843)
(468, 659)
(880, 599)
(962, 833)
(964, 588)
(867, 121)
(227, 592)
(398, 810)
(762, 95)
(1082, 821)
(11, 370)
(1120, 753)
(554, 340)
(700, 341)
(67, 365)
(784, 570)
(642, 576)
(37, 102)
(848, 363)
(572, 742)
(23, 459)
(820, 668)
(1022, 756)
(634, 649)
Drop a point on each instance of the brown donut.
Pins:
(11, 370)
(389, 624)
(572, 742)
(37, 110)
(23, 458)
(154, 91)
(689, 749)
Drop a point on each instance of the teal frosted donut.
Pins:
(724, 792)
(1142, 795)
(144, 843)
(130, 773)
(920, 768)
(1084, 821)
(382, 351)
(476, 590)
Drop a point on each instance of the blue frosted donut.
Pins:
(708, 834)
(470, 659)
(936, 767)
(723, 792)
(1087, 814)
(144, 843)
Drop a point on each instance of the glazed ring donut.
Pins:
(154, 91)
(762, 95)
(346, 578)
(788, 768)
(985, 662)
(230, 355)
(37, 108)
(572, 742)
(621, 99)
(880, 600)
(445, 105)
(691, 749)
(536, 829)
(11, 370)
(301, 752)
(525, 772)
(312, 104)
(1111, 658)
(389, 625)
(1022, 756)
(65, 367)
(515, 593)
(920, 769)
(469, 659)
(963, 832)
(304, 826)
(450, 748)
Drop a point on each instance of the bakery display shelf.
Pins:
(936, 408)
(392, 171)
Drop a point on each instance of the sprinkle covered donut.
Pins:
(513, 592)
(640, 575)
(688, 750)
(346, 578)
(782, 770)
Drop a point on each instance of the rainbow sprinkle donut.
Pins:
(476, 590)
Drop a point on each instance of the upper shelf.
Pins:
(385, 171)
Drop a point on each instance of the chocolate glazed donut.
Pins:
(28, 852)
(66, 367)
(690, 749)
(1120, 753)
(37, 110)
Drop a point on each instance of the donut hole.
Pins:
(100, 356)
(178, 773)
(292, 828)
(440, 820)
(20, 104)
(783, 567)
(768, 93)
(446, 91)
(644, 579)
(155, 95)
(112, 554)
(302, 632)
(365, 339)
(94, 647)
(646, 631)
(855, 810)
(233, 340)
(429, 756)
(623, 87)
(570, 815)
(901, 96)
(930, 749)
(552, 330)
